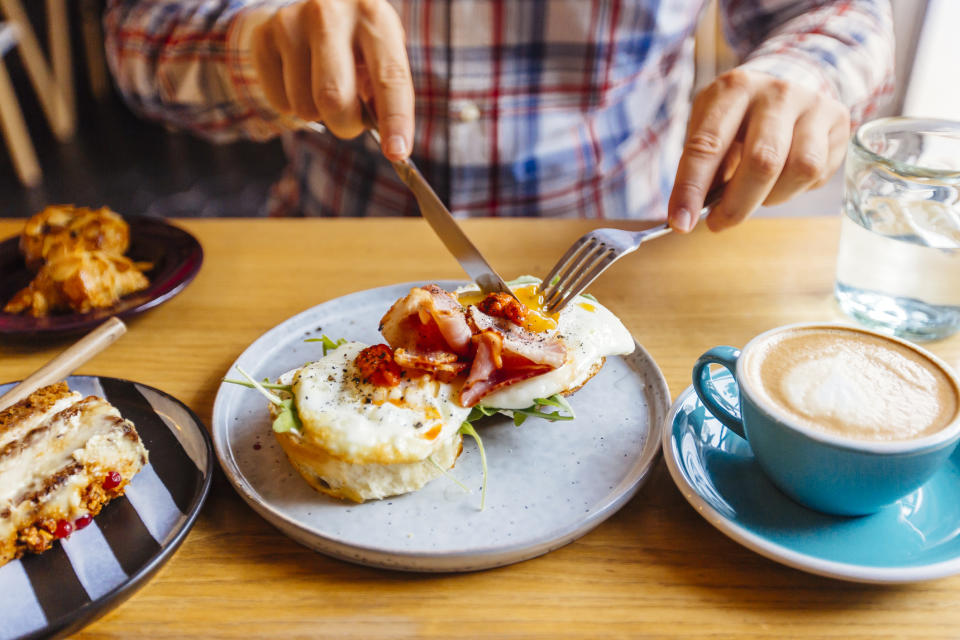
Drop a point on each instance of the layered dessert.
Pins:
(62, 458)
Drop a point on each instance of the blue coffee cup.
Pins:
(824, 471)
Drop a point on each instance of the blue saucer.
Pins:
(917, 538)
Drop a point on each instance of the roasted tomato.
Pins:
(505, 306)
(377, 366)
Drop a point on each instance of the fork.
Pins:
(593, 254)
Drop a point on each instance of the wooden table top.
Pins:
(654, 569)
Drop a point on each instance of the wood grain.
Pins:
(655, 569)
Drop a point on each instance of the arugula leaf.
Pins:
(467, 429)
(589, 296)
(287, 417)
(328, 343)
(563, 411)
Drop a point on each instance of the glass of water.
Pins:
(898, 268)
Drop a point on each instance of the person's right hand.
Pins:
(317, 58)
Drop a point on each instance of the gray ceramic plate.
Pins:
(549, 483)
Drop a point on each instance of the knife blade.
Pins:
(444, 225)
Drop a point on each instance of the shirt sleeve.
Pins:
(183, 62)
(841, 47)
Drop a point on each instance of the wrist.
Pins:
(244, 79)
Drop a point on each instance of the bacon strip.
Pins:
(428, 320)
(442, 364)
(535, 347)
(493, 368)
(429, 330)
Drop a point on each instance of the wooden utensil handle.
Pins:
(61, 366)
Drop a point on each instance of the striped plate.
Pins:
(97, 568)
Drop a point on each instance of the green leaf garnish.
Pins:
(563, 411)
(287, 418)
(555, 400)
(589, 296)
(266, 385)
(447, 474)
(272, 397)
(328, 343)
(467, 429)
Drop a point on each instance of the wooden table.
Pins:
(655, 569)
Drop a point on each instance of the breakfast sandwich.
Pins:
(367, 422)
(367, 428)
(62, 458)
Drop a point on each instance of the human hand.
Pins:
(771, 140)
(316, 59)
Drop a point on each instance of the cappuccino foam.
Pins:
(852, 384)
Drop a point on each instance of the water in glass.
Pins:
(898, 267)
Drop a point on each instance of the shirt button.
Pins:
(469, 112)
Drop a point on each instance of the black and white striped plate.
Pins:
(95, 569)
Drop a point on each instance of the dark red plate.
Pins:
(176, 256)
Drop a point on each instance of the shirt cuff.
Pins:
(262, 121)
(793, 67)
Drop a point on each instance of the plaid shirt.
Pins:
(526, 107)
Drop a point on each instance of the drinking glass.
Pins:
(898, 267)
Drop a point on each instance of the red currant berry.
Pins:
(64, 529)
(82, 522)
(112, 481)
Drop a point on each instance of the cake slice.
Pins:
(62, 458)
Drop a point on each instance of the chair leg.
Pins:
(15, 133)
(58, 37)
(92, 35)
(44, 83)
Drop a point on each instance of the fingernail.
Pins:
(683, 220)
(395, 146)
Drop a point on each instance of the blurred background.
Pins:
(139, 167)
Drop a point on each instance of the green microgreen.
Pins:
(272, 397)
(266, 385)
(589, 296)
(329, 344)
(287, 417)
(467, 429)
(563, 411)
(447, 474)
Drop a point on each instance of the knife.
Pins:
(442, 221)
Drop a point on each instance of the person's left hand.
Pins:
(768, 138)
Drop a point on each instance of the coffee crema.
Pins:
(851, 384)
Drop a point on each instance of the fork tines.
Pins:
(578, 267)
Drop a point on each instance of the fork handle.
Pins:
(712, 198)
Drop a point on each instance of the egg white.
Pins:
(360, 423)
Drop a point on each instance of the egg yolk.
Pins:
(536, 320)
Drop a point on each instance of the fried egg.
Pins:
(590, 332)
(361, 423)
